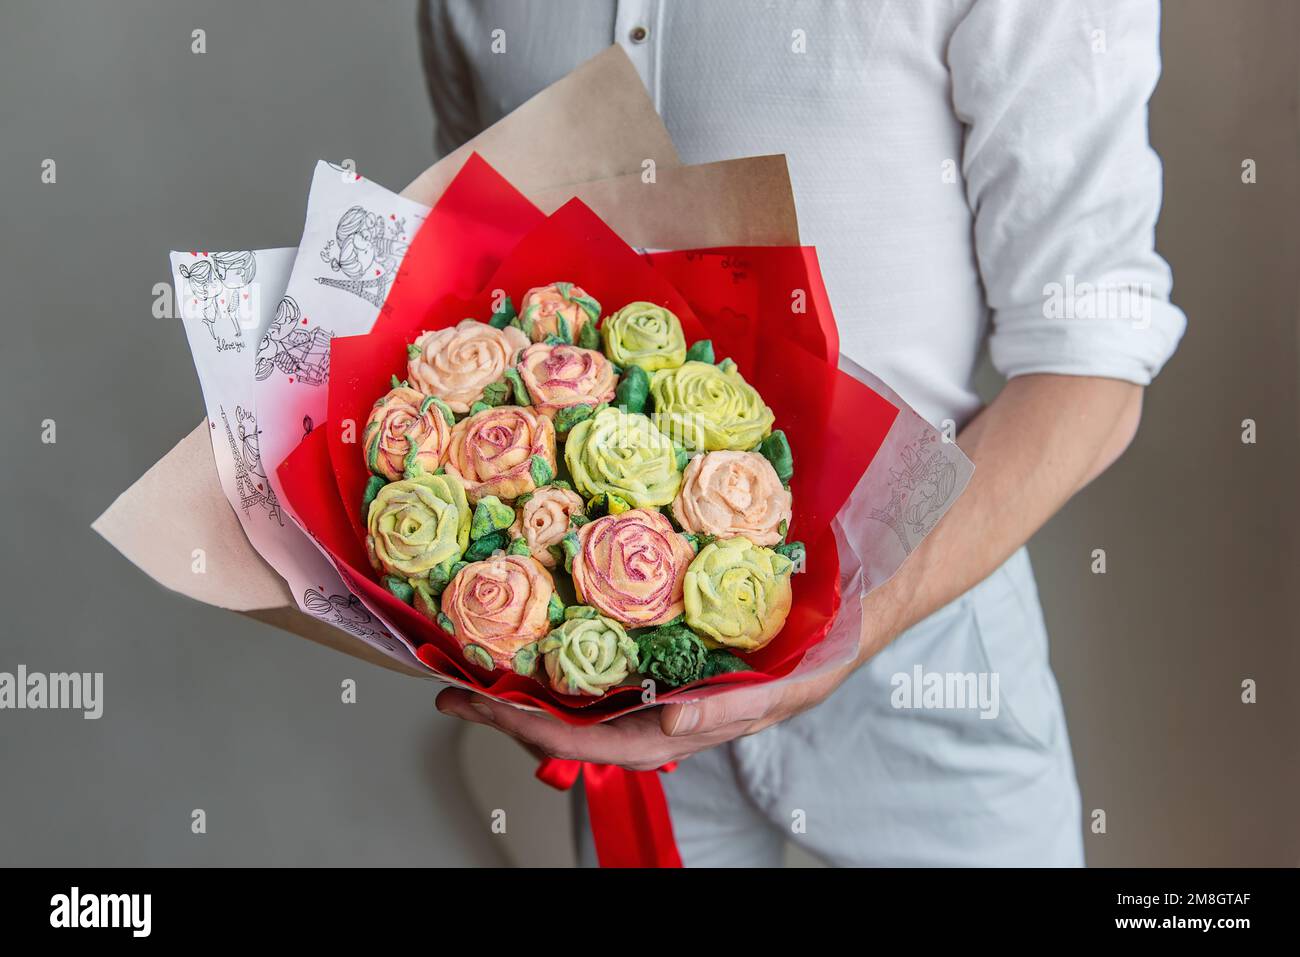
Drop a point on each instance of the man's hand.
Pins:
(651, 738)
(1041, 440)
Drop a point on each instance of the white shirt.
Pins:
(952, 161)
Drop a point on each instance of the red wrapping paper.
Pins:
(765, 307)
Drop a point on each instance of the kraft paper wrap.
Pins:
(736, 202)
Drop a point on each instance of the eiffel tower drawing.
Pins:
(373, 291)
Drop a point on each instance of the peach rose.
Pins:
(557, 309)
(496, 452)
(561, 376)
(497, 608)
(630, 567)
(543, 520)
(726, 494)
(457, 364)
(405, 429)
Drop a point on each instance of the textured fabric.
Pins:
(942, 154)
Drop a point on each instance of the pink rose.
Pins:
(630, 567)
(543, 520)
(457, 364)
(405, 429)
(561, 376)
(498, 607)
(492, 452)
(730, 494)
(557, 309)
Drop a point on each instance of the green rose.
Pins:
(671, 654)
(416, 524)
(709, 408)
(737, 593)
(643, 334)
(617, 453)
(587, 656)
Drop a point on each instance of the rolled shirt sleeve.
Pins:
(1064, 184)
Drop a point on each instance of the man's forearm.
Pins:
(1041, 440)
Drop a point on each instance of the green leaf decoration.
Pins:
(589, 336)
(446, 624)
(448, 416)
(727, 365)
(372, 489)
(795, 552)
(776, 449)
(564, 289)
(719, 661)
(490, 515)
(588, 305)
(439, 576)
(555, 340)
(457, 566)
(580, 611)
(476, 655)
(400, 588)
(519, 546)
(525, 660)
(498, 393)
(501, 318)
(478, 407)
(555, 610)
(412, 350)
(683, 457)
(485, 546)
(633, 390)
(569, 543)
(698, 542)
(540, 470)
(700, 351)
(562, 325)
(577, 520)
(569, 416)
(517, 385)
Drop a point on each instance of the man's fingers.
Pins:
(711, 714)
(631, 741)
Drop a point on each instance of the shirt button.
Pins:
(638, 34)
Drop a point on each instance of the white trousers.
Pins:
(865, 780)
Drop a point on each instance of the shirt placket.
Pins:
(637, 25)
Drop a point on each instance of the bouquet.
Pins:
(493, 442)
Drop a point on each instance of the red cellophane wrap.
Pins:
(764, 307)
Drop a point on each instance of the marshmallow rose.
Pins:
(725, 494)
(406, 432)
(558, 377)
(738, 593)
(498, 609)
(458, 363)
(416, 524)
(643, 334)
(707, 408)
(622, 453)
(631, 567)
(557, 309)
(503, 451)
(588, 656)
(542, 520)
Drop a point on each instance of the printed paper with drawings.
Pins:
(253, 342)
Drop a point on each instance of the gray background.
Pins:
(159, 148)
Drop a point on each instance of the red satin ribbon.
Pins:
(628, 811)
